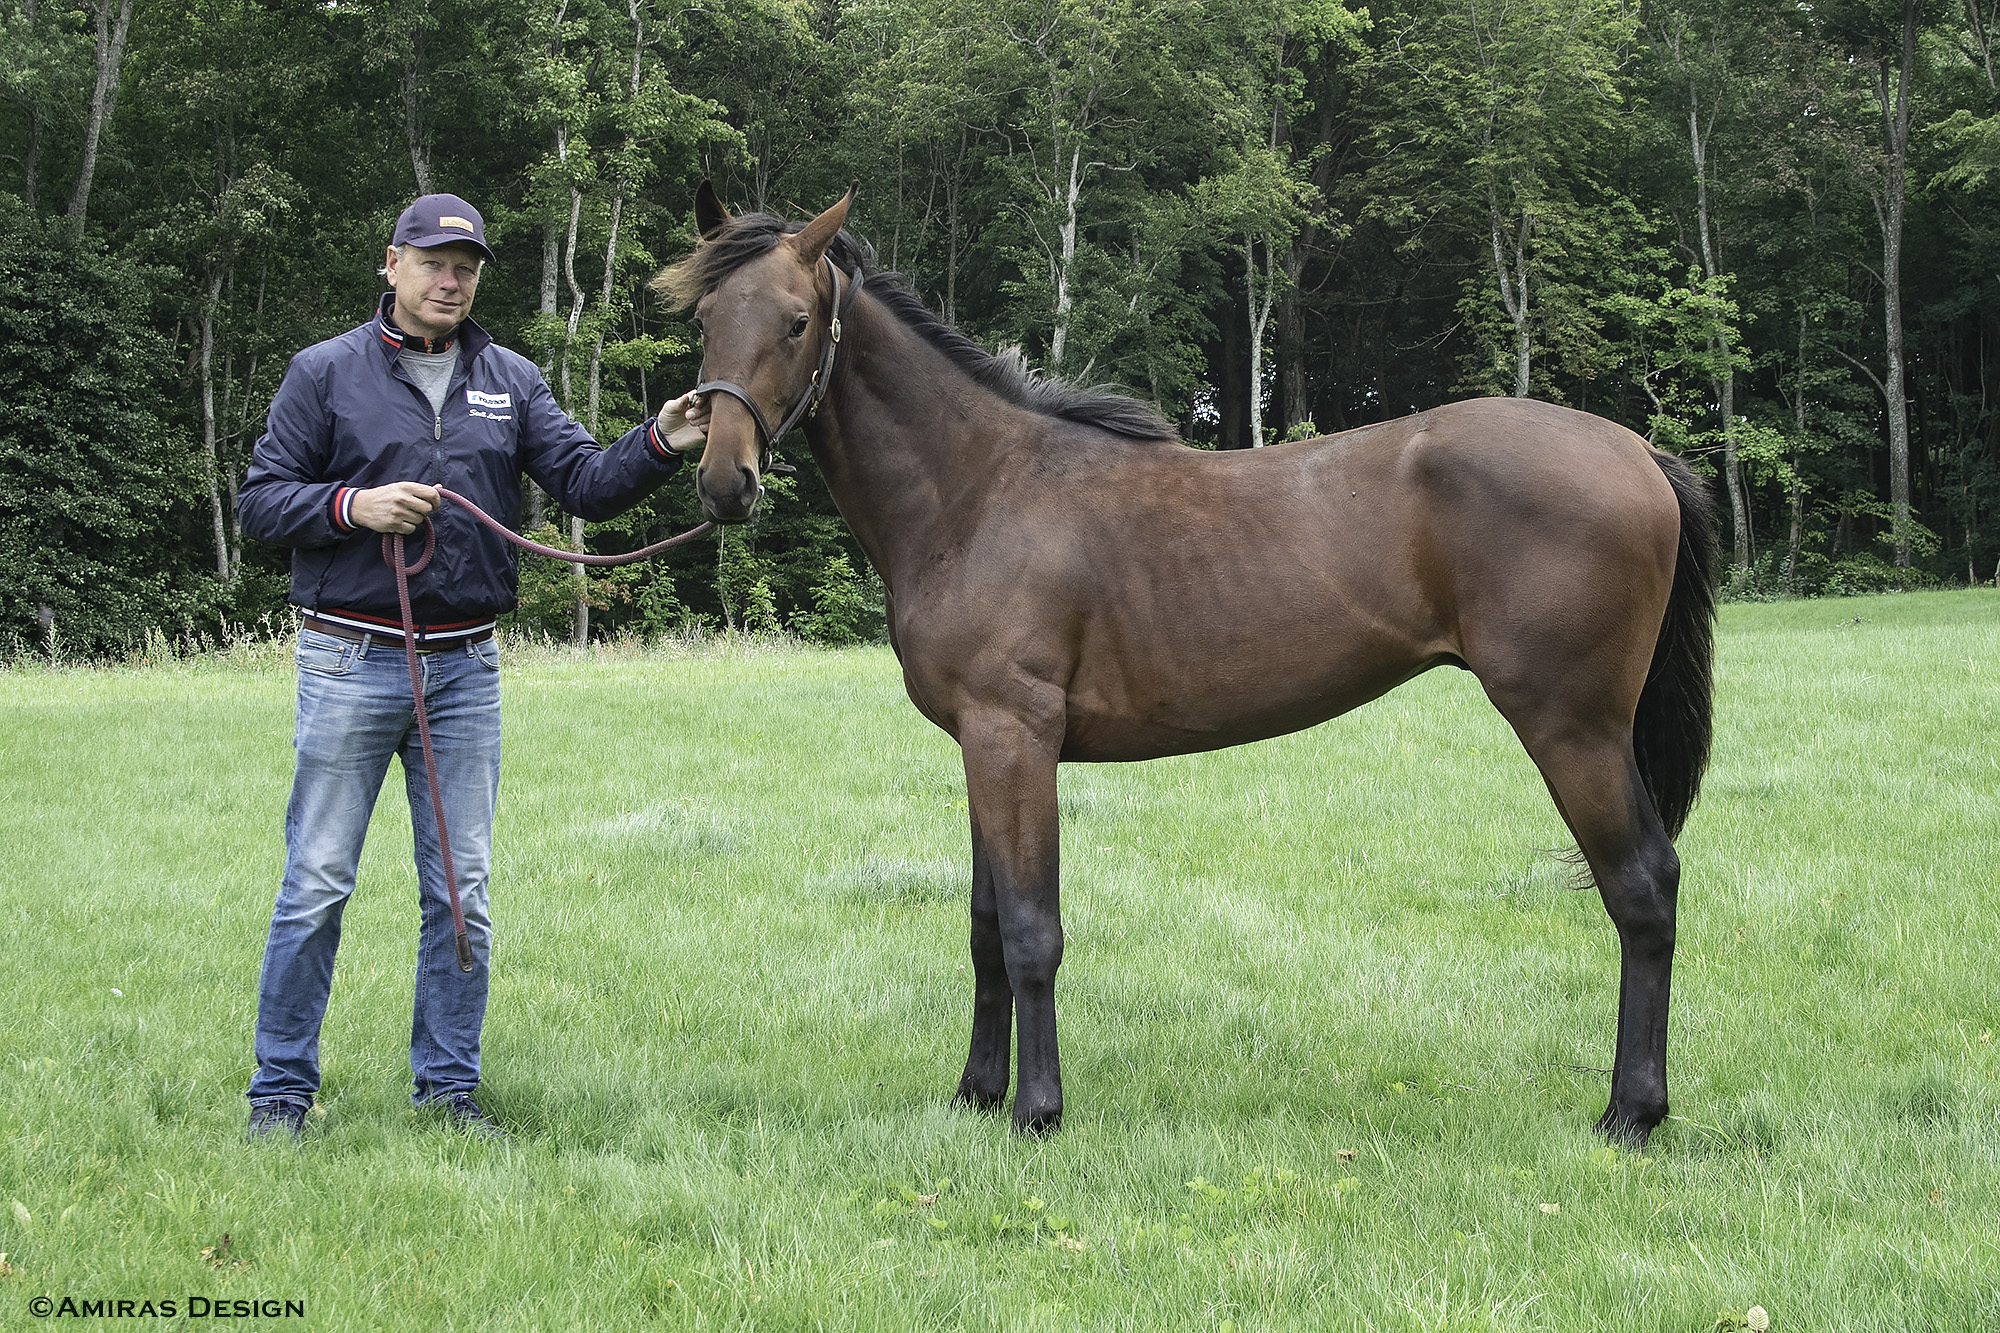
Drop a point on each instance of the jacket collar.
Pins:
(394, 340)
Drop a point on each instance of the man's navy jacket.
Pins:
(348, 417)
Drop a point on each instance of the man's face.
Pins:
(434, 287)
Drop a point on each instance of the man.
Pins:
(364, 428)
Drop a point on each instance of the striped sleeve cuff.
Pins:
(658, 446)
(342, 509)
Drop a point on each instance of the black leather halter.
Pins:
(822, 378)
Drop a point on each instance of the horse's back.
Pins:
(1528, 459)
(1190, 599)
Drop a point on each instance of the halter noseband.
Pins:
(822, 378)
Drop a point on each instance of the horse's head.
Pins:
(767, 328)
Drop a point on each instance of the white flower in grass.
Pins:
(1756, 1319)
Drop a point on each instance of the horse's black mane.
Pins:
(749, 236)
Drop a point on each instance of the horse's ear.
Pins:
(819, 233)
(709, 214)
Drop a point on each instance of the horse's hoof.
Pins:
(979, 1099)
(1624, 1131)
(1032, 1123)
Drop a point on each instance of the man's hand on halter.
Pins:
(684, 423)
(401, 506)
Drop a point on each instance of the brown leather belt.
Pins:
(388, 639)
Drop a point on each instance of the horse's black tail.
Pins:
(1675, 723)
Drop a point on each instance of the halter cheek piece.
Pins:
(822, 378)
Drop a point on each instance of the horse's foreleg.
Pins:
(984, 1083)
(1010, 783)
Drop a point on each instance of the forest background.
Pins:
(1759, 232)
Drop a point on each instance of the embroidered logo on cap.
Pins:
(478, 399)
(455, 222)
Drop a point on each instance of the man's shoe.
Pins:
(460, 1111)
(277, 1120)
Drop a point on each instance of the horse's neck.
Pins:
(903, 435)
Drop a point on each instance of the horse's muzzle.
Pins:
(728, 494)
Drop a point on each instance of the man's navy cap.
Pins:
(439, 219)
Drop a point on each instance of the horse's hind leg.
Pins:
(1596, 785)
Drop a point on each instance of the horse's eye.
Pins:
(799, 326)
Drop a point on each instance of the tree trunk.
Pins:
(537, 506)
(233, 466)
(604, 315)
(1732, 470)
(1059, 269)
(575, 297)
(580, 636)
(952, 188)
(537, 499)
(1798, 496)
(1889, 211)
(551, 279)
(1294, 401)
(1971, 518)
(413, 115)
(1979, 35)
(1294, 395)
(31, 158)
(580, 629)
(1254, 387)
(1229, 393)
(211, 464)
(31, 163)
(1514, 289)
(1725, 388)
(596, 377)
(638, 21)
(1259, 307)
(103, 100)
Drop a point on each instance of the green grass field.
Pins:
(1334, 1026)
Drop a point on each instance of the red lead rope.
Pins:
(392, 555)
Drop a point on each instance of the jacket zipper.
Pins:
(437, 425)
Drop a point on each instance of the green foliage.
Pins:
(96, 489)
(659, 610)
(839, 603)
(549, 589)
(1370, 210)
(1973, 143)
(1865, 572)
(743, 579)
(759, 614)
(1505, 113)
(1681, 340)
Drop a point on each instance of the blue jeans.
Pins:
(353, 713)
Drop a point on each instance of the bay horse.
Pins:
(1067, 582)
